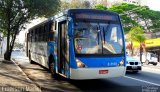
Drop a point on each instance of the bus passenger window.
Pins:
(51, 36)
(39, 34)
(51, 32)
(45, 33)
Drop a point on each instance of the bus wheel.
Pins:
(30, 60)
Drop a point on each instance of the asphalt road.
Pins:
(148, 80)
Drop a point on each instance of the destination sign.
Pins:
(95, 16)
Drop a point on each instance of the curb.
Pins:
(21, 71)
(26, 75)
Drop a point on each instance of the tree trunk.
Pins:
(7, 55)
(10, 45)
(131, 48)
(140, 52)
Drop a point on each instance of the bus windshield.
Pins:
(98, 38)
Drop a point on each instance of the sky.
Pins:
(21, 36)
(153, 4)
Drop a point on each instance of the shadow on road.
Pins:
(102, 85)
(43, 79)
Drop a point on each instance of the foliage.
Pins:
(100, 7)
(14, 14)
(136, 34)
(127, 22)
(135, 15)
(18, 45)
(74, 4)
(141, 16)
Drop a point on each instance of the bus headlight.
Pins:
(121, 63)
(80, 64)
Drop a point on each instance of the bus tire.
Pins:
(30, 60)
(52, 68)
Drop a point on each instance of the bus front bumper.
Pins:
(95, 73)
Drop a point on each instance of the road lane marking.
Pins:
(143, 81)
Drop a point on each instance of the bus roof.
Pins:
(45, 21)
(91, 10)
(69, 11)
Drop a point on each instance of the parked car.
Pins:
(149, 58)
(133, 64)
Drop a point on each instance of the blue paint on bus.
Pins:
(71, 40)
(88, 29)
(94, 62)
(50, 48)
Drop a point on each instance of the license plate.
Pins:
(134, 67)
(103, 71)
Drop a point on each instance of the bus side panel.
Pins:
(39, 53)
(71, 40)
(124, 44)
(51, 51)
(42, 57)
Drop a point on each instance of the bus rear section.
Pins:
(97, 50)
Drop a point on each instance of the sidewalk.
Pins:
(12, 79)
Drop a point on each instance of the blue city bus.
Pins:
(79, 44)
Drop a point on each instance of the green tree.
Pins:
(100, 7)
(18, 45)
(14, 14)
(125, 12)
(137, 34)
(74, 4)
(135, 15)
(121, 9)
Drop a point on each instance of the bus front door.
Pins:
(62, 32)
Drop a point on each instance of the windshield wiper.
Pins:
(100, 38)
(98, 35)
(104, 35)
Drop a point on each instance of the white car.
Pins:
(149, 58)
(133, 64)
